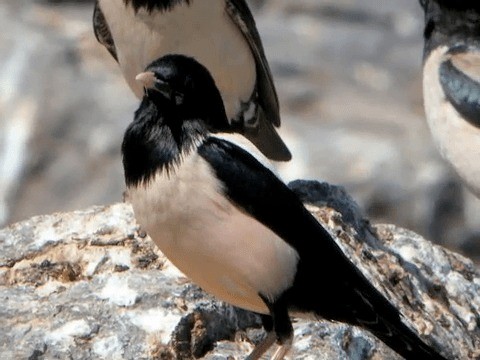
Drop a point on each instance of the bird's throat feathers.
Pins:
(152, 144)
(151, 5)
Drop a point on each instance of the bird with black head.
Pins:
(216, 208)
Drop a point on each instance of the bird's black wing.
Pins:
(243, 18)
(460, 80)
(323, 268)
(262, 195)
(264, 136)
(102, 31)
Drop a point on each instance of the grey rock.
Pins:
(89, 284)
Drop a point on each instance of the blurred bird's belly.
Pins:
(457, 139)
(202, 30)
(219, 247)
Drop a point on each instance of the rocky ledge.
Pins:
(90, 285)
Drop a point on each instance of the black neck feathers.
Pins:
(156, 141)
(160, 5)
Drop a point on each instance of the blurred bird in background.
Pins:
(220, 34)
(451, 83)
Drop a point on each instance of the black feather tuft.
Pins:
(150, 5)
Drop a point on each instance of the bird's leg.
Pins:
(262, 347)
(283, 349)
(279, 327)
(283, 329)
(267, 342)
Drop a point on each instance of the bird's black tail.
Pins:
(375, 313)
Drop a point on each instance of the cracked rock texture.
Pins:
(90, 285)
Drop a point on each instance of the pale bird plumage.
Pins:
(457, 139)
(186, 25)
(209, 239)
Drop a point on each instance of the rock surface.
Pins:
(348, 74)
(89, 285)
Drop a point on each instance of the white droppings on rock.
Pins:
(121, 257)
(48, 235)
(407, 251)
(452, 280)
(156, 321)
(119, 213)
(93, 263)
(66, 333)
(49, 288)
(108, 348)
(117, 291)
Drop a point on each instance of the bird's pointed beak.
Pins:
(147, 79)
(150, 82)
